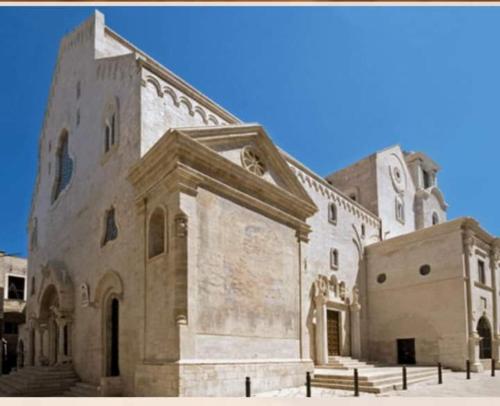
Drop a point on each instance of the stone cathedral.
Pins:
(175, 250)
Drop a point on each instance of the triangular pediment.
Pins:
(249, 147)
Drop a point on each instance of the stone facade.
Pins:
(175, 250)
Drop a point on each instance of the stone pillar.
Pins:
(60, 323)
(321, 332)
(473, 336)
(42, 357)
(495, 342)
(355, 329)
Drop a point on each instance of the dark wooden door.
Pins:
(333, 332)
(406, 351)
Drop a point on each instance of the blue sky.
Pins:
(331, 85)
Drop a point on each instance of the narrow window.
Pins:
(111, 231)
(78, 90)
(34, 234)
(33, 285)
(113, 129)
(435, 219)
(427, 179)
(481, 272)
(107, 138)
(400, 211)
(16, 287)
(64, 165)
(77, 117)
(363, 231)
(156, 234)
(332, 213)
(334, 259)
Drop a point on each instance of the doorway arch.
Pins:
(484, 331)
(49, 331)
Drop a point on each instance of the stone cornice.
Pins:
(473, 235)
(179, 160)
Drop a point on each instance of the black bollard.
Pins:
(405, 383)
(468, 369)
(356, 383)
(440, 374)
(308, 384)
(492, 367)
(248, 391)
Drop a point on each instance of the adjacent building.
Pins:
(12, 306)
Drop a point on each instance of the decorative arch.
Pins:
(110, 282)
(212, 119)
(156, 85)
(201, 113)
(439, 196)
(55, 278)
(172, 94)
(184, 100)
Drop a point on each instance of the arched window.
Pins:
(110, 125)
(435, 219)
(110, 229)
(64, 165)
(334, 258)
(156, 233)
(332, 213)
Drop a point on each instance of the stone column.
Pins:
(42, 357)
(495, 342)
(473, 336)
(60, 342)
(321, 331)
(355, 308)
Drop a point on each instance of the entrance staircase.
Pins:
(83, 390)
(38, 381)
(339, 374)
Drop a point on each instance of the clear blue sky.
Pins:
(331, 85)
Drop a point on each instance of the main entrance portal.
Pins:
(333, 332)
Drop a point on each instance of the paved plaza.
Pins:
(454, 384)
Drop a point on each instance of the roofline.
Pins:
(438, 229)
(325, 183)
(373, 154)
(150, 63)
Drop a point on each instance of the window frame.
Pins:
(7, 285)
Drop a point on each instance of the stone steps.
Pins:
(339, 374)
(83, 390)
(38, 381)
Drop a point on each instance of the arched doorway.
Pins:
(112, 337)
(49, 332)
(484, 331)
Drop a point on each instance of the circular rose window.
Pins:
(252, 162)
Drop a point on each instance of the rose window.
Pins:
(252, 162)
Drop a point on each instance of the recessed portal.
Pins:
(333, 332)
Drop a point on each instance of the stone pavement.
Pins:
(454, 385)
